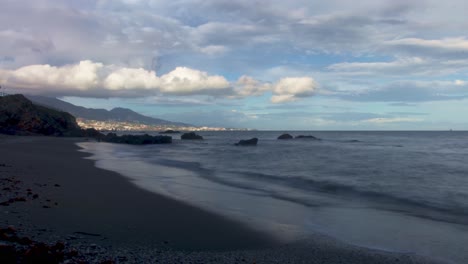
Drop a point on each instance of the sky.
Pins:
(280, 65)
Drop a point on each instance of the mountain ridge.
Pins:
(119, 114)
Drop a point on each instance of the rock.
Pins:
(137, 139)
(247, 142)
(19, 116)
(8, 254)
(169, 131)
(92, 133)
(285, 136)
(307, 137)
(191, 136)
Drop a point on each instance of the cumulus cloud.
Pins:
(292, 88)
(248, 86)
(184, 80)
(88, 77)
(287, 89)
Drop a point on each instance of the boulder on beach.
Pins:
(137, 139)
(247, 142)
(191, 136)
(169, 131)
(285, 136)
(307, 137)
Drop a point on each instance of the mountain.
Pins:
(19, 116)
(117, 114)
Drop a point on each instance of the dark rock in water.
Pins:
(285, 136)
(354, 141)
(248, 142)
(92, 133)
(307, 137)
(137, 139)
(190, 135)
(170, 131)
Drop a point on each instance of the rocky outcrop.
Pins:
(285, 136)
(191, 136)
(247, 142)
(92, 133)
(137, 139)
(169, 131)
(307, 137)
(19, 116)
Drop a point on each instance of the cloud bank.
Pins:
(94, 79)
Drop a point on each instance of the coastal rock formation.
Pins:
(285, 136)
(92, 133)
(307, 137)
(169, 131)
(137, 139)
(247, 142)
(190, 135)
(19, 116)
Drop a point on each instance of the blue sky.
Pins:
(282, 65)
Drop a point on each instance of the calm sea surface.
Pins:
(398, 191)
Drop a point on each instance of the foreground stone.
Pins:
(285, 136)
(247, 142)
(191, 136)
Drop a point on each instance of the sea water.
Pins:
(397, 191)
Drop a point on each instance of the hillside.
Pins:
(117, 114)
(19, 116)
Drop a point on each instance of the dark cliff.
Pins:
(19, 116)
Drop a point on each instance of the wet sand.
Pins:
(67, 198)
(94, 201)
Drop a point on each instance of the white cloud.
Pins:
(441, 48)
(248, 86)
(287, 89)
(213, 50)
(78, 76)
(386, 120)
(460, 83)
(366, 68)
(89, 76)
(402, 66)
(184, 80)
(450, 44)
(131, 78)
(291, 88)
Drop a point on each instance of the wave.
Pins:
(265, 185)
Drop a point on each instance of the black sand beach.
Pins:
(68, 199)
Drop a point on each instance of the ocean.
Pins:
(395, 191)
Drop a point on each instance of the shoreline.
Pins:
(95, 206)
(109, 205)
